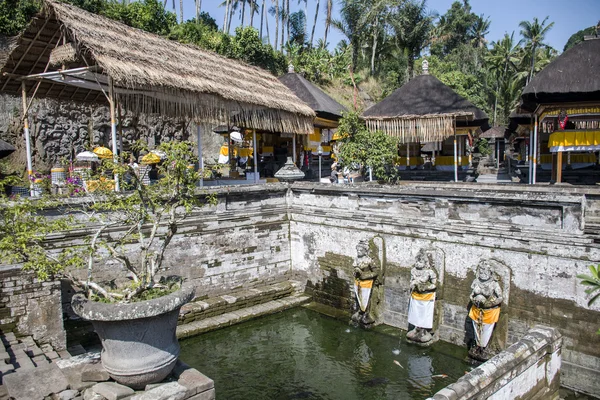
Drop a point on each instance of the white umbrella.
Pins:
(87, 156)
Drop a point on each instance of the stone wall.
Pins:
(31, 308)
(60, 130)
(527, 370)
(535, 237)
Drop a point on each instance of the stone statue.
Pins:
(423, 281)
(368, 285)
(486, 297)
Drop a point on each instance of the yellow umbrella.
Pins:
(103, 152)
(150, 158)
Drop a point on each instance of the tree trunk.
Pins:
(312, 34)
(262, 20)
(266, 23)
(225, 16)
(287, 18)
(198, 10)
(374, 49)
(243, 11)
(181, 11)
(252, 13)
(532, 63)
(282, 25)
(327, 21)
(230, 18)
(276, 23)
(305, 19)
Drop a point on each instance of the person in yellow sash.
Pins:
(423, 281)
(368, 285)
(486, 298)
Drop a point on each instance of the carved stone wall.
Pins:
(61, 130)
(534, 235)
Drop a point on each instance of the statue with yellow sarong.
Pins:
(423, 283)
(486, 298)
(368, 284)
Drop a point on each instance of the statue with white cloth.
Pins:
(423, 283)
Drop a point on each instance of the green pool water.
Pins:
(303, 354)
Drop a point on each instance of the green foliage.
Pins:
(578, 36)
(148, 15)
(593, 281)
(361, 149)
(248, 47)
(145, 217)
(15, 15)
(482, 147)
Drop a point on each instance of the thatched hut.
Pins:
(425, 110)
(69, 54)
(328, 112)
(565, 101)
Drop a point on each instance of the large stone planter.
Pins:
(139, 345)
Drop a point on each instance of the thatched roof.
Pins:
(150, 73)
(424, 109)
(325, 106)
(6, 149)
(574, 76)
(496, 132)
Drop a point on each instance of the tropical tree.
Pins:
(350, 26)
(274, 10)
(534, 34)
(312, 34)
(478, 30)
(328, 20)
(377, 15)
(412, 24)
(502, 62)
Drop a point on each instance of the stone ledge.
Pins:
(237, 316)
(540, 345)
(231, 302)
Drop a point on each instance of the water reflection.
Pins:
(300, 354)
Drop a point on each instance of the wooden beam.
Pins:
(559, 167)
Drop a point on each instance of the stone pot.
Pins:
(139, 345)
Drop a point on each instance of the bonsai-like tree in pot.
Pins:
(136, 322)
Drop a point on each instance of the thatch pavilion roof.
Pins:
(497, 132)
(424, 110)
(6, 149)
(325, 106)
(574, 76)
(149, 73)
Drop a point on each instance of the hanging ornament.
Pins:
(562, 119)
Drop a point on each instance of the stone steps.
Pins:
(240, 315)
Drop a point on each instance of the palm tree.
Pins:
(181, 11)
(275, 11)
(413, 27)
(478, 30)
(305, 14)
(198, 10)
(504, 55)
(253, 10)
(327, 21)
(377, 15)
(534, 35)
(349, 25)
(226, 3)
(312, 34)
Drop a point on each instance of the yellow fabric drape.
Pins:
(367, 284)
(225, 151)
(449, 160)
(575, 158)
(244, 152)
(490, 315)
(413, 162)
(571, 111)
(315, 136)
(423, 296)
(576, 138)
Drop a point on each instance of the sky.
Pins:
(505, 15)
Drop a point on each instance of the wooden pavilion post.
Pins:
(200, 158)
(407, 155)
(113, 127)
(455, 155)
(535, 149)
(559, 167)
(553, 173)
(294, 149)
(255, 155)
(27, 138)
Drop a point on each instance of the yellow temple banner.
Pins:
(575, 158)
(571, 111)
(463, 161)
(574, 141)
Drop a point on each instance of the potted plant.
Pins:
(136, 321)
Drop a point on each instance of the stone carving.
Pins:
(486, 297)
(368, 283)
(423, 283)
